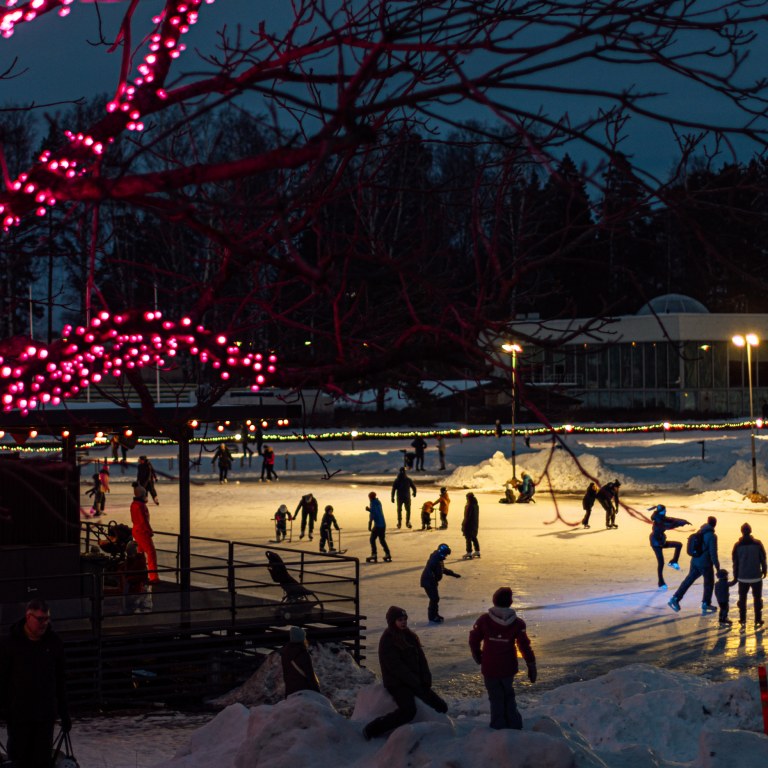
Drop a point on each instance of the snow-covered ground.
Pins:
(623, 681)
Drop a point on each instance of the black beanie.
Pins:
(502, 597)
(394, 613)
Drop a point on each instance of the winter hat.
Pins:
(139, 491)
(329, 508)
(746, 529)
(372, 495)
(722, 574)
(660, 509)
(394, 613)
(616, 482)
(282, 509)
(712, 521)
(443, 490)
(297, 635)
(502, 597)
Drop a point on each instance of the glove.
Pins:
(456, 575)
(369, 526)
(66, 723)
(479, 657)
(440, 705)
(532, 674)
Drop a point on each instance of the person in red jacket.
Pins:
(142, 530)
(494, 641)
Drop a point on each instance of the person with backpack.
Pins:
(494, 642)
(749, 570)
(608, 496)
(588, 502)
(702, 547)
(661, 524)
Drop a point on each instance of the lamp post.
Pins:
(513, 349)
(750, 340)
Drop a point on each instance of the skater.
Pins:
(509, 494)
(224, 457)
(702, 547)
(99, 497)
(426, 515)
(608, 496)
(33, 687)
(494, 641)
(104, 477)
(282, 516)
(146, 477)
(404, 673)
(247, 450)
(441, 450)
(470, 526)
(749, 570)
(298, 672)
(403, 488)
(658, 538)
(443, 503)
(142, 530)
(526, 488)
(588, 502)
(723, 596)
(378, 528)
(308, 508)
(419, 445)
(268, 464)
(326, 533)
(431, 577)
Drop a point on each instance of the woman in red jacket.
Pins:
(494, 641)
(142, 530)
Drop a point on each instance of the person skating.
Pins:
(146, 477)
(723, 597)
(749, 570)
(404, 673)
(427, 508)
(431, 577)
(441, 450)
(33, 687)
(419, 445)
(661, 523)
(377, 525)
(494, 641)
(326, 533)
(588, 502)
(403, 489)
(268, 464)
(282, 516)
(298, 672)
(470, 526)
(224, 458)
(142, 530)
(443, 504)
(308, 508)
(608, 496)
(96, 491)
(703, 563)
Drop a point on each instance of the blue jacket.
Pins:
(377, 514)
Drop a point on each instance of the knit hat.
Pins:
(712, 521)
(372, 495)
(746, 529)
(139, 491)
(722, 574)
(297, 635)
(502, 597)
(394, 613)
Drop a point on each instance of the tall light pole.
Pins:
(513, 349)
(750, 340)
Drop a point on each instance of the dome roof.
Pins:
(673, 304)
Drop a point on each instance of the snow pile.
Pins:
(340, 679)
(635, 717)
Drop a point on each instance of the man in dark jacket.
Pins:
(32, 687)
(402, 489)
(588, 502)
(470, 526)
(661, 524)
(749, 570)
(608, 496)
(704, 565)
(404, 673)
(308, 507)
(431, 577)
(146, 477)
(419, 445)
(494, 642)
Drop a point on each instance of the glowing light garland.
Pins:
(108, 347)
(38, 189)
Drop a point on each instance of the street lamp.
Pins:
(750, 340)
(513, 350)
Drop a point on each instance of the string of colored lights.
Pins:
(108, 346)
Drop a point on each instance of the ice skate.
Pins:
(408, 525)
(674, 603)
(663, 587)
(372, 559)
(707, 608)
(477, 554)
(437, 619)
(726, 623)
(759, 624)
(673, 565)
(387, 559)
(468, 556)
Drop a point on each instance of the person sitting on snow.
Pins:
(526, 488)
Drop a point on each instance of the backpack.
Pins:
(695, 546)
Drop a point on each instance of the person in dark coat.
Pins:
(405, 674)
(298, 672)
(608, 496)
(146, 477)
(402, 489)
(662, 523)
(327, 524)
(431, 576)
(32, 687)
(470, 525)
(268, 464)
(419, 445)
(224, 457)
(308, 508)
(99, 497)
(749, 570)
(526, 489)
(377, 525)
(494, 641)
(704, 565)
(723, 597)
(588, 502)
